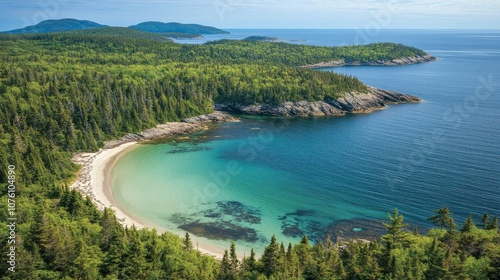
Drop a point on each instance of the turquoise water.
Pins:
(262, 176)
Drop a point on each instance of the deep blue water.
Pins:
(444, 151)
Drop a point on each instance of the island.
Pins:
(263, 39)
(162, 27)
(70, 24)
(56, 25)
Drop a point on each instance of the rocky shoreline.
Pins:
(394, 62)
(351, 103)
(185, 126)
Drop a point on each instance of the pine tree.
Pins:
(233, 261)
(485, 220)
(292, 260)
(443, 219)
(468, 225)
(225, 271)
(493, 225)
(270, 258)
(188, 245)
(436, 262)
(250, 262)
(396, 236)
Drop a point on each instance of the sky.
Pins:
(293, 14)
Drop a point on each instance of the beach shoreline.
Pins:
(94, 179)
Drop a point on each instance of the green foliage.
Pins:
(57, 25)
(124, 32)
(161, 27)
(401, 255)
(65, 93)
(443, 219)
(396, 235)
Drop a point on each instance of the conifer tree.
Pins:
(250, 262)
(493, 225)
(485, 219)
(225, 271)
(188, 244)
(443, 219)
(468, 225)
(233, 261)
(270, 258)
(396, 235)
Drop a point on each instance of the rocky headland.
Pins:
(350, 103)
(394, 62)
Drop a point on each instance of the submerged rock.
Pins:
(239, 211)
(363, 229)
(189, 149)
(301, 222)
(221, 231)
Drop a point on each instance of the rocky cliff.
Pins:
(351, 103)
(394, 62)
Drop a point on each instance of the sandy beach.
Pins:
(94, 178)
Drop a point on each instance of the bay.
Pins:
(294, 176)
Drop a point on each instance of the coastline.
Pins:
(94, 180)
(351, 103)
(395, 62)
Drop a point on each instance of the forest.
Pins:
(63, 93)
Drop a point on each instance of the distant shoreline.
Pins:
(394, 62)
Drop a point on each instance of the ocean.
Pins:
(339, 176)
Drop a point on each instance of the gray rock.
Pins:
(186, 126)
(350, 103)
(394, 62)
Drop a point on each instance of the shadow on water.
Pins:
(301, 222)
(344, 230)
(221, 231)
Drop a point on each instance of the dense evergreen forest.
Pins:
(70, 92)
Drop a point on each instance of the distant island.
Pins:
(56, 25)
(262, 38)
(175, 27)
(68, 24)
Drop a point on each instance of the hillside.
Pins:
(123, 32)
(56, 25)
(174, 27)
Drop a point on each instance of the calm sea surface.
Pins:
(288, 177)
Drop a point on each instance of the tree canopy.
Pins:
(65, 93)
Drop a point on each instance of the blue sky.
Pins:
(391, 14)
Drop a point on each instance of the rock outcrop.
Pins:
(394, 62)
(350, 103)
(185, 126)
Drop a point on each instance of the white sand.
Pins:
(94, 181)
(91, 180)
